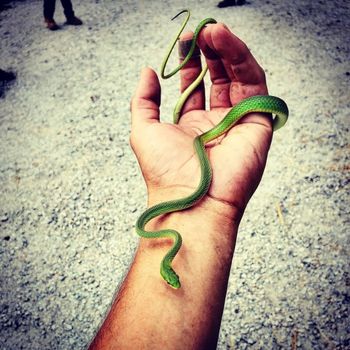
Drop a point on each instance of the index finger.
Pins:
(189, 73)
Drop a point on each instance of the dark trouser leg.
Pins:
(49, 8)
(67, 8)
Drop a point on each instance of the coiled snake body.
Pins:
(261, 103)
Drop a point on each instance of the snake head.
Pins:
(170, 277)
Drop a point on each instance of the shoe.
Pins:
(74, 21)
(226, 3)
(51, 24)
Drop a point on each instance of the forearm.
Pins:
(148, 313)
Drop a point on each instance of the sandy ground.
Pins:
(71, 189)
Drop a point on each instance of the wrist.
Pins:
(210, 220)
(208, 231)
(211, 208)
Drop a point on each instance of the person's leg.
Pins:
(49, 10)
(67, 8)
(69, 13)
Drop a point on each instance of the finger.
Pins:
(233, 69)
(246, 75)
(189, 73)
(239, 63)
(146, 101)
(220, 88)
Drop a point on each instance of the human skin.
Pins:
(147, 313)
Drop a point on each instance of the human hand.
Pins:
(165, 151)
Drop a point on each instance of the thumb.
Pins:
(146, 101)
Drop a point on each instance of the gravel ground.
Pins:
(71, 189)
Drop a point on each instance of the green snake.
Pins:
(261, 103)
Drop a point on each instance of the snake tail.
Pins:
(200, 26)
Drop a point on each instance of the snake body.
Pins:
(261, 103)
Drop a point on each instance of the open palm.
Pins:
(165, 151)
